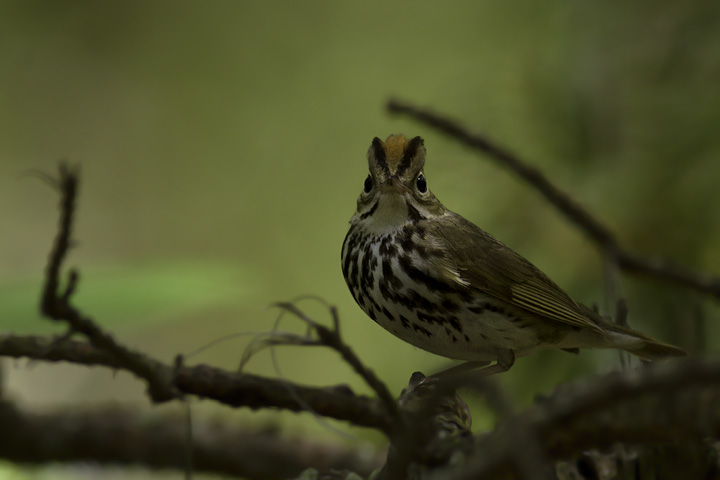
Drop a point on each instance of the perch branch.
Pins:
(229, 388)
(652, 405)
(576, 213)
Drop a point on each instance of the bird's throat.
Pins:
(390, 215)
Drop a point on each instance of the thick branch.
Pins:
(244, 390)
(119, 437)
(228, 388)
(576, 213)
(653, 405)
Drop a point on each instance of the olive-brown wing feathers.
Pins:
(489, 266)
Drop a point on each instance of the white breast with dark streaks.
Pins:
(390, 289)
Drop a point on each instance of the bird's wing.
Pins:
(478, 261)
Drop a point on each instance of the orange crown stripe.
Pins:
(395, 146)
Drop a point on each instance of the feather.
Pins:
(487, 265)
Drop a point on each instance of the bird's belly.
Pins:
(435, 316)
(461, 335)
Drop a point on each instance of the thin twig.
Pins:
(57, 306)
(576, 213)
(322, 421)
(331, 338)
(664, 269)
(167, 382)
(276, 365)
(613, 297)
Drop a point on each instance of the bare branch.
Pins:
(229, 388)
(331, 338)
(676, 400)
(576, 213)
(437, 426)
(121, 437)
(664, 269)
(167, 382)
(57, 306)
(651, 405)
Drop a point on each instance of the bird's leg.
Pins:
(458, 369)
(505, 360)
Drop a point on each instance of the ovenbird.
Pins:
(442, 284)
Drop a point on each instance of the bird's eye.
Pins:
(421, 184)
(368, 184)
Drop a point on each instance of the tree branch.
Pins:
(166, 382)
(120, 437)
(56, 305)
(652, 405)
(331, 338)
(572, 210)
(228, 388)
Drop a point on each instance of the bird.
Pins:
(441, 283)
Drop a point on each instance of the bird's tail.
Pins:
(655, 350)
(644, 347)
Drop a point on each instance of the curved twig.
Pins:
(331, 338)
(56, 305)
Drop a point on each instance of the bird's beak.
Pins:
(393, 185)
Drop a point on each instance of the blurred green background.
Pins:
(222, 147)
